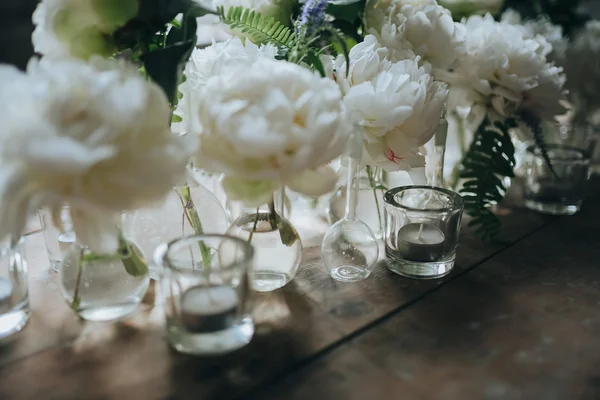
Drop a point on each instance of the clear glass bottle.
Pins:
(103, 287)
(277, 245)
(369, 209)
(14, 295)
(189, 209)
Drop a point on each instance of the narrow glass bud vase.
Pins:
(103, 287)
(277, 246)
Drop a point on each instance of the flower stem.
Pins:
(190, 212)
(76, 299)
(255, 224)
(374, 187)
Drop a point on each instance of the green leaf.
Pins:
(134, 262)
(165, 66)
(315, 61)
(489, 159)
(259, 28)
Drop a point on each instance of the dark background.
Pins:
(15, 31)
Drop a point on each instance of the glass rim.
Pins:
(161, 254)
(583, 153)
(390, 199)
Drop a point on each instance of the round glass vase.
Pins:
(277, 246)
(103, 287)
(370, 204)
(189, 209)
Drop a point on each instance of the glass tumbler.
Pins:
(14, 299)
(204, 282)
(422, 225)
(561, 192)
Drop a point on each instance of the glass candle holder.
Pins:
(205, 285)
(422, 225)
(14, 299)
(560, 194)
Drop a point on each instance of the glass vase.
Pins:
(57, 239)
(14, 297)
(103, 287)
(369, 209)
(204, 281)
(277, 246)
(189, 209)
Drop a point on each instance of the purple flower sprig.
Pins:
(312, 16)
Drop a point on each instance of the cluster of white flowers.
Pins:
(505, 71)
(94, 136)
(398, 104)
(79, 28)
(266, 124)
(421, 26)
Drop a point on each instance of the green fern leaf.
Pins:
(259, 28)
(490, 158)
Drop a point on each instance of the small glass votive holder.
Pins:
(560, 194)
(14, 293)
(58, 240)
(422, 225)
(204, 280)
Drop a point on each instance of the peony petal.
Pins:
(314, 182)
(96, 229)
(251, 192)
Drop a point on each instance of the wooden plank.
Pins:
(524, 325)
(294, 325)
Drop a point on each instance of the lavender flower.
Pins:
(312, 16)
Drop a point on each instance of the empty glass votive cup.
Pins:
(204, 281)
(422, 225)
(561, 193)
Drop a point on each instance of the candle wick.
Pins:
(420, 232)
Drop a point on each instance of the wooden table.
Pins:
(520, 321)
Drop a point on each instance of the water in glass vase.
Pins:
(277, 245)
(99, 288)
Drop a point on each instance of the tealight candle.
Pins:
(208, 309)
(421, 242)
(6, 289)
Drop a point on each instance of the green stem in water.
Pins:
(374, 187)
(76, 299)
(189, 210)
(255, 224)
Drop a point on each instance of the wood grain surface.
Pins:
(509, 322)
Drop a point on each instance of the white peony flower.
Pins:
(94, 136)
(367, 59)
(418, 25)
(208, 62)
(582, 66)
(505, 71)
(543, 27)
(398, 104)
(79, 28)
(265, 125)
